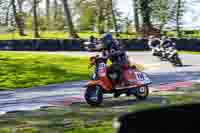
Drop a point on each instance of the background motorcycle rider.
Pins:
(93, 41)
(154, 43)
(113, 51)
(166, 42)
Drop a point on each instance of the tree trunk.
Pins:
(17, 19)
(48, 14)
(178, 15)
(136, 18)
(7, 13)
(146, 17)
(68, 19)
(55, 10)
(114, 17)
(20, 6)
(19, 2)
(100, 23)
(35, 20)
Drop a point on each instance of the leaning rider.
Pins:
(117, 56)
(153, 42)
(166, 42)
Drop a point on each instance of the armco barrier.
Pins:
(135, 44)
(77, 45)
(187, 44)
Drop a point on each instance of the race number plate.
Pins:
(140, 76)
(102, 70)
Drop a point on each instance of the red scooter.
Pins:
(102, 82)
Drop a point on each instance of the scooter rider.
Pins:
(112, 50)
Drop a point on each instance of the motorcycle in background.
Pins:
(167, 54)
(92, 46)
(173, 56)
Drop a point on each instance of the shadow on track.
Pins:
(121, 103)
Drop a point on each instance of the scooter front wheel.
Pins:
(94, 95)
(142, 93)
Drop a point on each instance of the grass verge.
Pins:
(54, 35)
(23, 70)
(189, 52)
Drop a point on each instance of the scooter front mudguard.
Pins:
(92, 83)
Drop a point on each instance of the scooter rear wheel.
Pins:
(142, 93)
(94, 95)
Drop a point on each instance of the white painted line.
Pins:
(151, 90)
(153, 68)
(25, 107)
(196, 81)
(152, 65)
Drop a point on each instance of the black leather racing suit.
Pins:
(118, 58)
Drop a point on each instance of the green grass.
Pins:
(189, 52)
(23, 70)
(81, 118)
(54, 35)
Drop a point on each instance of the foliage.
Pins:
(87, 18)
(163, 11)
(94, 15)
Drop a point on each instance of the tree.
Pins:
(114, 20)
(35, 20)
(145, 10)
(47, 13)
(87, 18)
(86, 14)
(68, 19)
(7, 13)
(103, 15)
(17, 19)
(163, 12)
(136, 17)
(55, 10)
(127, 24)
(100, 17)
(178, 17)
(21, 13)
(20, 5)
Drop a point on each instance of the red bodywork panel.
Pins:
(104, 83)
(129, 74)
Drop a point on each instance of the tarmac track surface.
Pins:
(163, 75)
